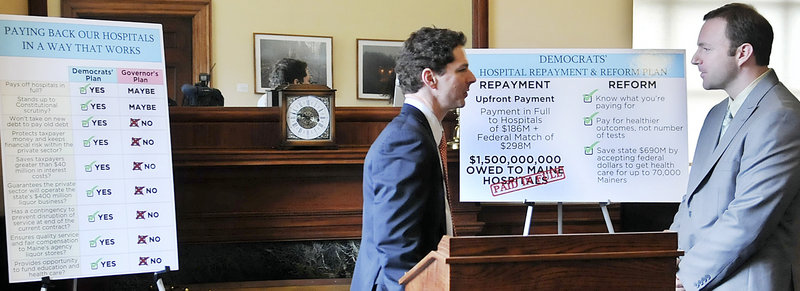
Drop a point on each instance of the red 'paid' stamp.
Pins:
(529, 181)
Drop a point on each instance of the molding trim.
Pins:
(480, 23)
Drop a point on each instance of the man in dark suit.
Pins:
(739, 222)
(406, 210)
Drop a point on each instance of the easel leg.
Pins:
(606, 217)
(560, 217)
(159, 281)
(528, 217)
(45, 283)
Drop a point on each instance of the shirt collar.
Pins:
(735, 104)
(436, 126)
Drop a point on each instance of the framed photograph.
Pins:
(376, 60)
(315, 51)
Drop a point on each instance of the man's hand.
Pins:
(678, 284)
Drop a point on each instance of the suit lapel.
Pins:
(706, 142)
(710, 155)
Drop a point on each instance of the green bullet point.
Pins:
(85, 106)
(590, 149)
(587, 98)
(95, 264)
(87, 142)
(88, 167)
(85, 122)
(93, 243)
(90, 192)
(91, 217)
(83, 89)
(588, 120)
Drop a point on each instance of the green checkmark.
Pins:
(587, 98)
(88, 167)
(91, 217)
(85, 122)
(588, 120)
(94, 264)
(83, 89)
(590, 149)
(90, 192)
(93, 243)
(85, 106)
(87, 142)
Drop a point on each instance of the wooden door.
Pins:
(177, 47)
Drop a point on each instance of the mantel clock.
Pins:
(307, 116)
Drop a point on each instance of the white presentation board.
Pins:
(574, 125)
(87, 165)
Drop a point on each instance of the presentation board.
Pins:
(574, 125)
(87, 165)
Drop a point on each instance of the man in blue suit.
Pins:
(739, 222)
(406, 211)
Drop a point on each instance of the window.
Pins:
(675, 24)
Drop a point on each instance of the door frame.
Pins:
(199, 10)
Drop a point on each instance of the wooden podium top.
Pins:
(561, 261)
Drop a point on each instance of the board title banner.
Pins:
(79, 40)
(86, 151)
(574, 126)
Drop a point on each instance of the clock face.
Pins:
(308, 118)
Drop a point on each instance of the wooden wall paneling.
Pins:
(360, 126)
(233, 185)
(268, 203)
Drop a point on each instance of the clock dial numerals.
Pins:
(308, 118)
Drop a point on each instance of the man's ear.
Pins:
(744, 53)
(429, 78)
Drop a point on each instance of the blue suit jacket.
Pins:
(739, 223)
(404, 210)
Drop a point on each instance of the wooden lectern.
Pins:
(622, 261)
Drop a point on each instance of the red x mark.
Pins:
(143, 261)
(140, 214)
(142, 240)
(137, 166)
(135, 122)
(138, 190)
(135, 141)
